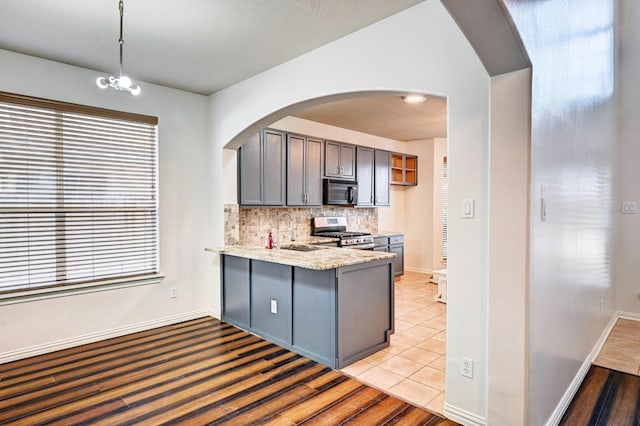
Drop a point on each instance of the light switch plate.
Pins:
(629, 207)
(468, 208)
(274, 306)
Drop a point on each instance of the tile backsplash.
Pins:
(250, 226)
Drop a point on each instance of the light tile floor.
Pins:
(412, 368)
(621, 350)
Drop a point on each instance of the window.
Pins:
(78, 195)
(445, 203)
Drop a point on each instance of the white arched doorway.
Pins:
(419, 50)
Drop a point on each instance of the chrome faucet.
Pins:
(292, 226)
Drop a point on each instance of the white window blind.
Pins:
(78, 194)
(445, 204)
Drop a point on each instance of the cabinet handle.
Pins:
(371, 199)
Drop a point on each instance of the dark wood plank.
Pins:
(316, 404)
(580, 409)
(347, 408)
(605, 397)
(197, 372)
(379, 413)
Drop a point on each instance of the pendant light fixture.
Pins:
(122, 82)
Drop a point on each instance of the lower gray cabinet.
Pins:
(398, 261)
(334, 316)
(236, 288)
(364, 297)
(271, 300)
(392, 244)
(314, 314)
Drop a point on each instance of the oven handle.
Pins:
(369, 246)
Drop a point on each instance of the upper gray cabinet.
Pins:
(373, 177)
(261, 170)
(365, 174)
(339, 160)
(382, 163)
(304, 171)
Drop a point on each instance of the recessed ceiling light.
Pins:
(414, 98)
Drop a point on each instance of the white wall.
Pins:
(628, 268)
(573, 140)
(419, 209)
(374, 59)
(184, 213)
(509, 239)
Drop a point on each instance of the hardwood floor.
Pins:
(606, 397)
(197, 372)
(610, 392)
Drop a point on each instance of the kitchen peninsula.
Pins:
(332, 305)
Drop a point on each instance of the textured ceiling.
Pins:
(200, 46)
(384, 116)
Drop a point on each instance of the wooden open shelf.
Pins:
(404, 169)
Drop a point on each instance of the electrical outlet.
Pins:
(173, 292)
(274, 306)
(466, 367)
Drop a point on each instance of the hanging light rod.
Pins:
(122, 82)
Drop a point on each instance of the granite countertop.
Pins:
(321, 259)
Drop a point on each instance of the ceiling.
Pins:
(203, 46)
(200, 46)
(385, 116)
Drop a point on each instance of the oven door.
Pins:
(339, 193)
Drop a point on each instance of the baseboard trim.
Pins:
(463, 417)
(628, 315)
(420, 270)
(100, 335)
(566, 399)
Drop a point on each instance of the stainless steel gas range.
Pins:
(336, 227)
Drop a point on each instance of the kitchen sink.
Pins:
(300, 247)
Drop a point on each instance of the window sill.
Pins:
(70, 290)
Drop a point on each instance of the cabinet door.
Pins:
(314, 313)
(235, 290)
(332, 159)
(398, 261)
(365, 176)
(295, 170)
(271, 298)
(348, 161)
(273, 168)
(313, 172)
(381, 178)
(250, 172)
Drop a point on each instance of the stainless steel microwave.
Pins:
(339, 192)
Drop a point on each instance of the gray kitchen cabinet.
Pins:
(365, 175)
(339, 160)
(334, 316)
(261, 169)
(392, 244)
(398, 261)
(271, 300)
(304, 171)
(236, 290)
(382, 167)
(314, 313)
